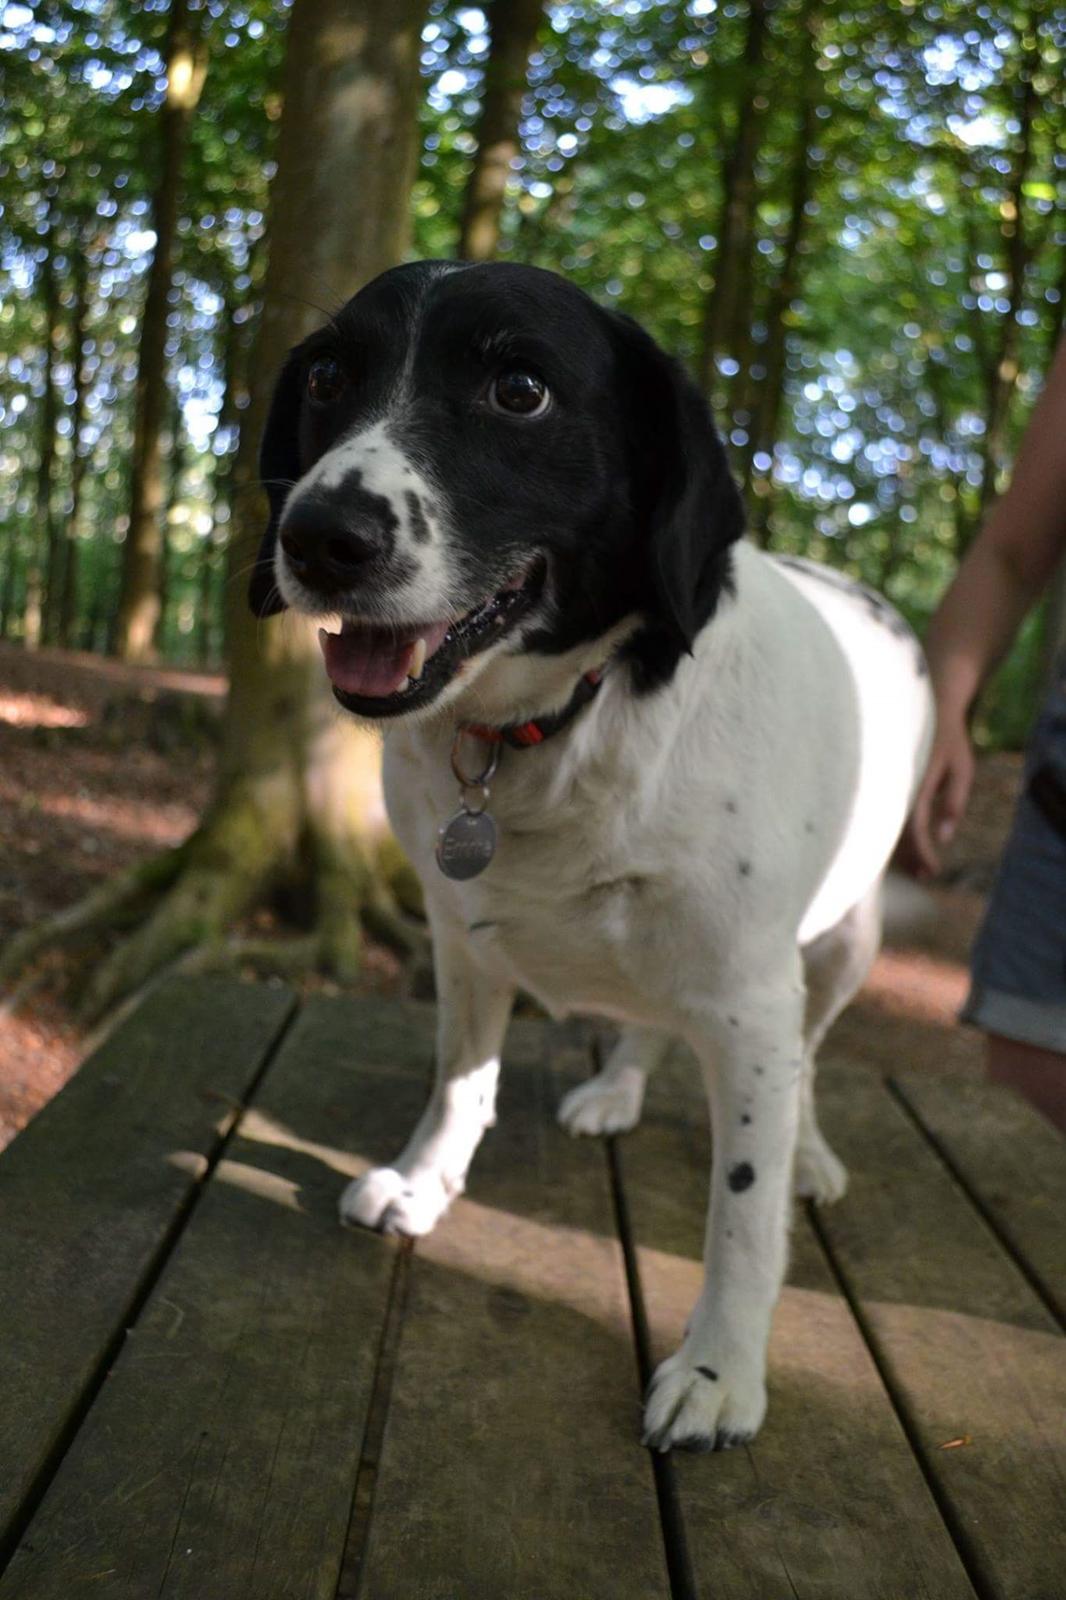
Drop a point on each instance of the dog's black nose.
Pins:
(328, 547)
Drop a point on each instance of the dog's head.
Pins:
(474, 464)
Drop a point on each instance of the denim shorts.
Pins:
(1018, 965)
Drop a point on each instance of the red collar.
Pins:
(523, 735)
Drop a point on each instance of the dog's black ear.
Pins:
(683, 492)
(279, 468)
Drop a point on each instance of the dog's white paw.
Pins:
(609, 1103)
(818, 1174)
(698, 1406)
(389, 1202)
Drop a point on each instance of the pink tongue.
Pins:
(373, 662)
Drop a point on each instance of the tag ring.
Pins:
(482, 790)
(478, 779)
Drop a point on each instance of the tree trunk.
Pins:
(349, 129)
(10, 585)
(726, 317)
(233, 358)
(68, 601)
(764, 425)
(40, 568)
(138, 608)
(513, 26)
(1002, 375)
(298, 789)
(175, 474)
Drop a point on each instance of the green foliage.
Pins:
(896, 287)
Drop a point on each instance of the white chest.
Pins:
(567, 907)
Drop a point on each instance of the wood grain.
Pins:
(1011, 1160)
(970, 1351)
(90, 1192)
(220, 1459)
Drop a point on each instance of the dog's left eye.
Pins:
(326, 381)
(519, 394)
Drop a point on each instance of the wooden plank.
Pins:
(969, 1350)
(221, 1457)
(511, 1463)
(828, 1500)
(1010, 1160)
(91, 1191)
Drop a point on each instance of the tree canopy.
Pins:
(847, 218)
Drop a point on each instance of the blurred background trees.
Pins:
(849, 221)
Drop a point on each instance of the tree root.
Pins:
(105, 907)
(231, 862)
(267, 958)
(184, 903)
(394, 930)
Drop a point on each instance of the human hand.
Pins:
(940, 803)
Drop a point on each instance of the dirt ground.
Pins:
(102, 764)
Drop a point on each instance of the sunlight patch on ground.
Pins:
(161, 824)
(256, 1125)
(38, 711)
(917, 987)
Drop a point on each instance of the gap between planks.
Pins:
(377, 1416)
(985, 1212)
(175, 1229)
(671, 1519)
(952, 1521)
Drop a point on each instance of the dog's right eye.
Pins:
(326, 381)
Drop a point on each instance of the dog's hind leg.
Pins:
(835, 966)
(410, 1196)
(611, 1102)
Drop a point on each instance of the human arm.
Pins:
(1000, 578)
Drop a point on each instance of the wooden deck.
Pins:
(208, 1389)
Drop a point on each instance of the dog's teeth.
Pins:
(418, 660)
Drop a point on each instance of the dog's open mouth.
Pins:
(381, 671)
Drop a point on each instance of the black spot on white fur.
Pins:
(741, 1177)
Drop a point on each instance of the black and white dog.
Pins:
(695, 758)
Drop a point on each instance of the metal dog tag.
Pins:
(466, 844)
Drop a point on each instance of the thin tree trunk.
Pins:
(175, 473)
(726, 316)
(1057, 328)
(68, 603)
(1003, 372)
(41, 565)
(138, 609)
(513, 26)
(764, 426)
(233, 358)
(10, 586)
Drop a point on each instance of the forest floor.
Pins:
(102, 764)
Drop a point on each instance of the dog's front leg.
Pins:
(472, 1014)
(712, 1392)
